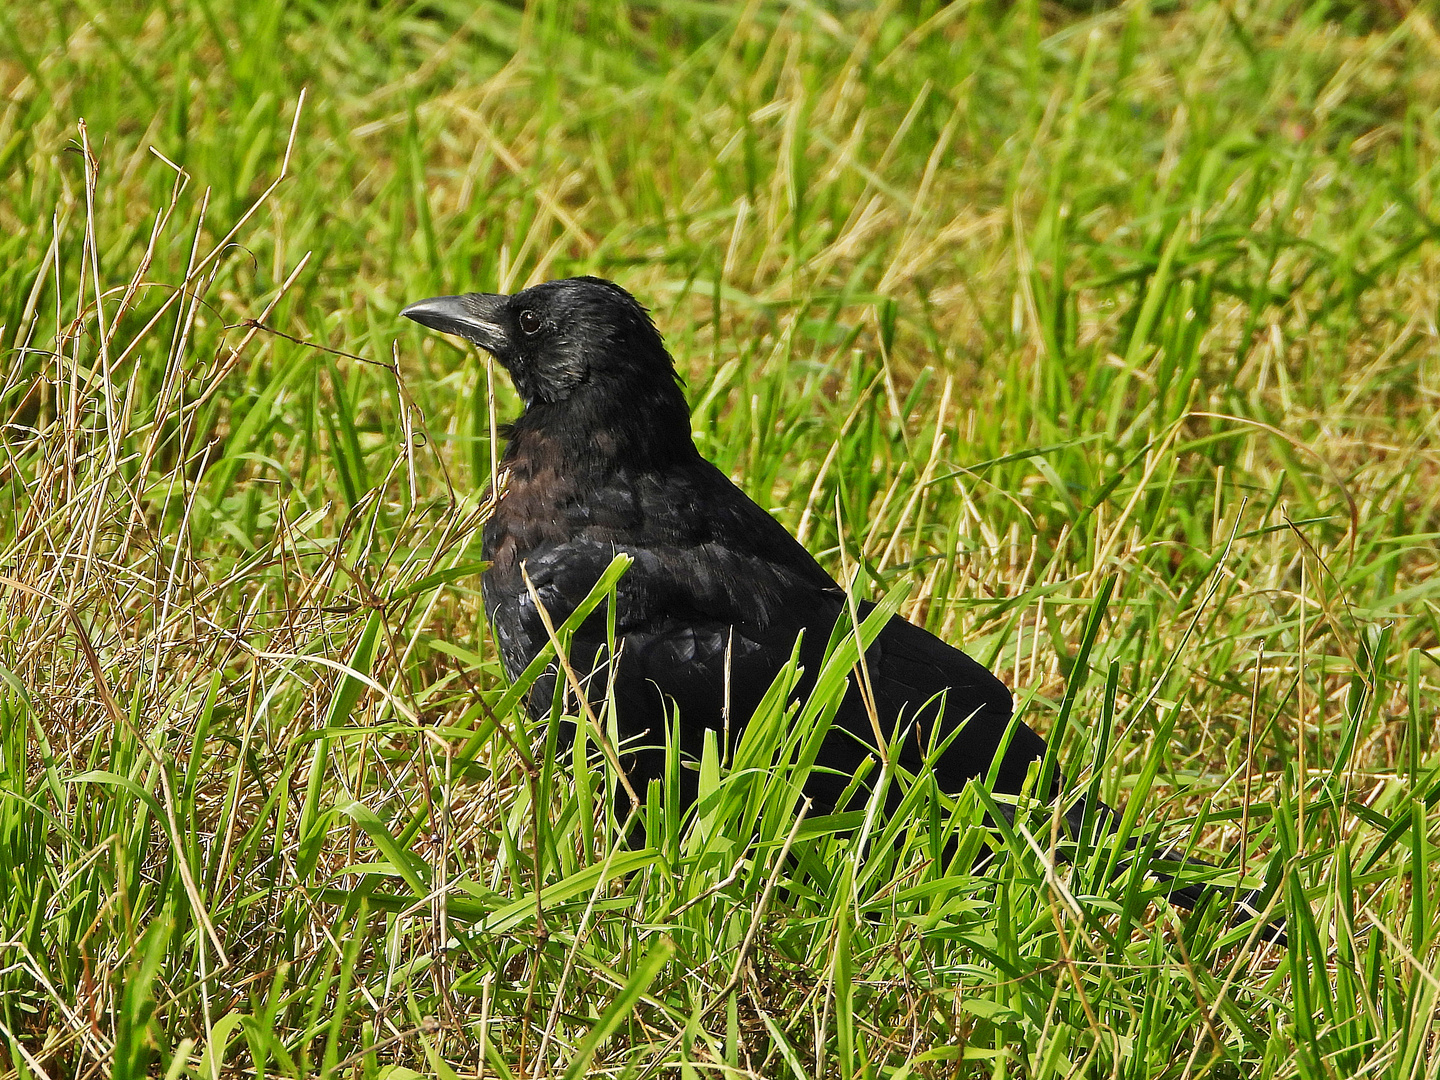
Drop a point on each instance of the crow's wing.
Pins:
(718, 593)
(705, 556)
(923, 682)
(924, 690)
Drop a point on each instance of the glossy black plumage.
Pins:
(602, 461)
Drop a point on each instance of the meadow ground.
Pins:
(1101, 338)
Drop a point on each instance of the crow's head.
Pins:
(576, 337)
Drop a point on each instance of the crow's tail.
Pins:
(1189, 896)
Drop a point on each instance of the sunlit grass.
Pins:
(1100, 339)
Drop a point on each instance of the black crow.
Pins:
(602, 461)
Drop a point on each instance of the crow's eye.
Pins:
(529, 322)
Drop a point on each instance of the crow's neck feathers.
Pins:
(628, 411)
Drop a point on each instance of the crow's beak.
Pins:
(474, 316)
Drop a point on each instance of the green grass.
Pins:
(1101, 339)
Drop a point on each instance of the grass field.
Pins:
(1100, 338)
